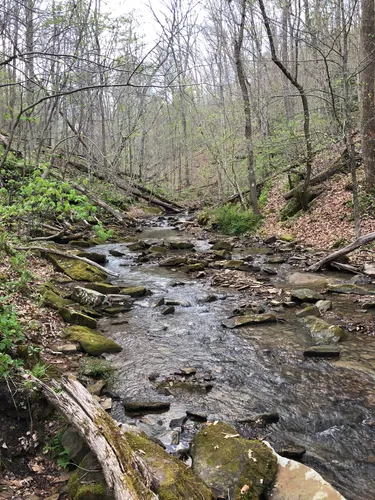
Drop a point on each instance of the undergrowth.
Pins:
(231, 219)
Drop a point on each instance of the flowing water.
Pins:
(324, 405)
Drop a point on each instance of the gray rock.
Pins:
(88, 297)
(261, 418)
(170, 437)
(250, 319)
(99, 258)
(173, 262)
(309, 311)
(196, 415)
(222, 255)
(188, 370)
(349, 288)
(269, 270)
(306, 295)
(96, 388)
(292, 450)
(181, 245)
(116, 253)
(68, 348)
(168, 310)
(222, 245)
(75, 445)
(145, 406)
(276, 260)
(324, 306)
(178, 422)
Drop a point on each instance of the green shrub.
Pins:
(10, 335)
(231, 219)
(97, 368)
(57, 451)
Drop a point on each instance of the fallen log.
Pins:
(363, 240)
(340, 166)
(67, 255)
(125, 472)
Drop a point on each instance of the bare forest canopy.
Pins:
(230, 93)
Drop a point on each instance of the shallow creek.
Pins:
(324, 405)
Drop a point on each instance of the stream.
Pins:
(323, 405)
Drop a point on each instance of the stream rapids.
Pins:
(325, 406)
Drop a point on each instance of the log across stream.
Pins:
(322, 405)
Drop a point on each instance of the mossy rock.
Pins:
(197, 266)
(153, 210)
(290, 209)
(348, 288)
(228, 462)
(175, 480)
(51, 299)
(104, 288)
(134, 291)
(233, 264)
(322, 332)
(77, 318)
(91, 341)
(249, 319)
(87, 482)
(75, 269)
(157, 249)
(286, 237)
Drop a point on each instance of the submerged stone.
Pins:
(92, 342)
(307, 279)
(75, 269)
(322, 332)
(157, 249)
(228, 462)
(250, 319)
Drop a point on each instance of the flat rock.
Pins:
(173, 262)
(222, 245)
(351, 288)
(308, 311)
(306, 295)
(186, 370)
(157, 249)
(96, 388)
(104, 288)
(68, 348)
(91, 341)
(74, 317)
(299, 482)
(75, 269)
(143, 406)
(293, 451)
(181, 245)
(321, 351)
(266, 418)
(307, 279)
(276, 260)
(322, 332)
(251, 319)
(88, 297)
(135, 291)
(222, 255)
(196, 415)
(169, 437)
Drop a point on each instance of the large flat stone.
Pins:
(251, 319)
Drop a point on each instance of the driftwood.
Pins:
(363, 240)
(341, 165)
(67, 255)
(125, 472)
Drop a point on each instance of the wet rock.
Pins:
(138, 246)
(157, 249)
(261, 418)
(75, 269)
(322, 332)
(222, 245)
(188, 370)
(269, 270)
(359, 279)
(170, 437)
(74, 444)
(196, 415)
(99, 258)
(270, 240)
(321, 351)
(349, 288)
(168, 310)
(197, 266)
(116, 253)
(112, 311)
(120, 321)
(178, 422)
(308, 311)
(104, 288)
(159, 302)
(228, 462)
(222, 255)
(91, 341)
(293, 451)
(135, 291)
(252, 319)
(201, 275)
(145, 406)
(208, 299)
(306, 295)
(324, 306)
(178, 283)
(181, 245)
(173, 262)
(77, 318)
(297, 481)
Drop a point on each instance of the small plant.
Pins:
(102, 234)
(263, 197)
(97, 368)
(57, 451)
(10, 335)
(39, 370)
(230, 219)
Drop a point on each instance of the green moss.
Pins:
(51, 299)
(134, 291)
(90, 492)
(228, 462)
(176, 481)
(77, 318)
(286, 237)
(91, 341)
(103, 288)
(76, 269)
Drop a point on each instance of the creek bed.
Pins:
(325, 406)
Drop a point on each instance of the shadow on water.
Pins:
(324, 405)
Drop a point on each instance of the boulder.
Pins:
(299, 482)
(250, 319)
(91, 341)
(306, 295)
(321, 351)
(74, 444)
(222, 255)
(349, 288)
(75, 269)
(233, 264)
(77, 318)
(135, 291)
(276, 260)
(138, 245)
(88, 297)
(233, 466)
(51, 299)
(99, 258)
(322, 332)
